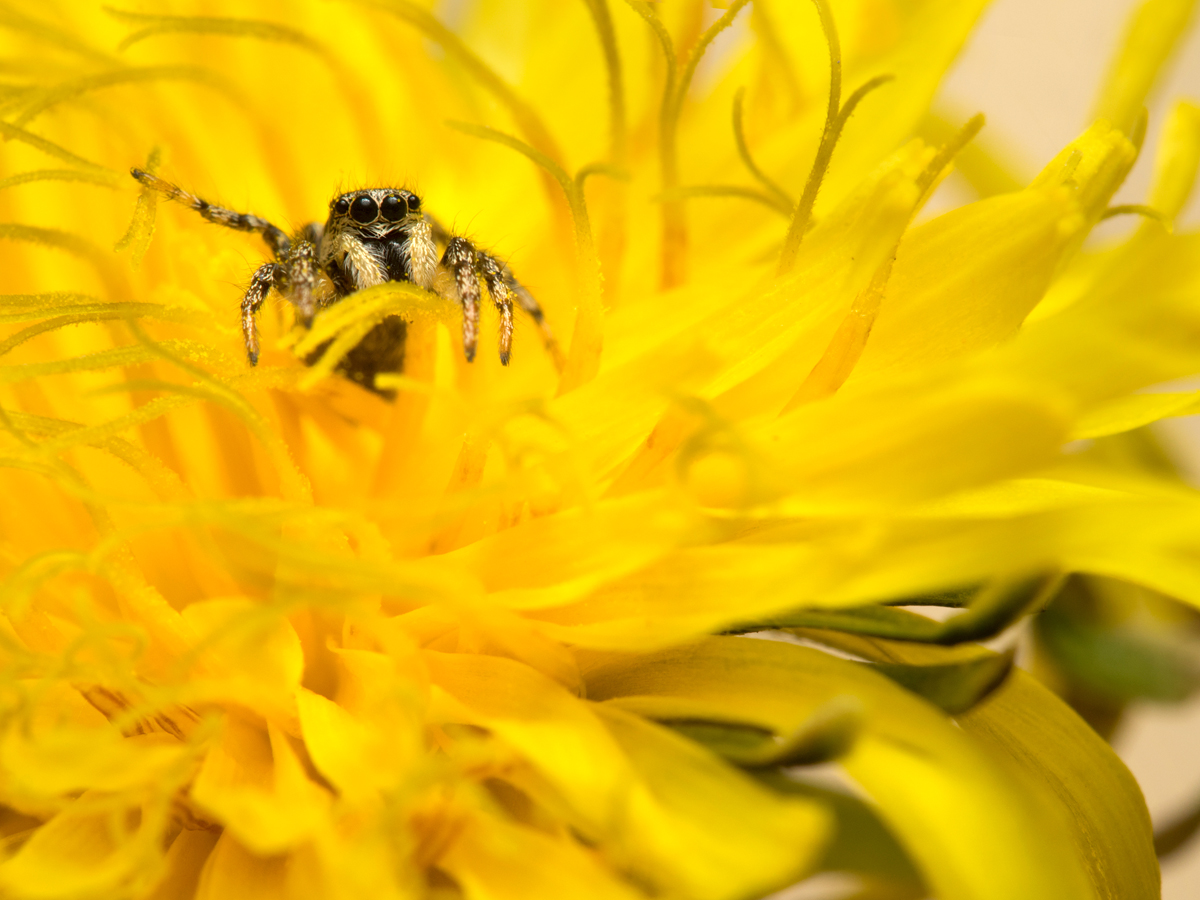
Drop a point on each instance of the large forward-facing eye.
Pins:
(364, 210)
(393, 208)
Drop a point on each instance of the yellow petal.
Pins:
(252, 782)
(1152, 33)
(184, 862)
(371, 737)
(70, 746)
(1060, 753)
(233, 873)
(969, 826)
(659, 804)
(864, 449)
(537, 717)
(496, 860)
(248, 655)
(1178, 158)
(966, 280)
(1134, 411)
(95, 847)
(712, 831)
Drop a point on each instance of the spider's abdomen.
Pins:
(380, 351)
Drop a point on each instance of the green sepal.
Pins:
(953, 678)
(993, 609)
(1095, 640)
(827, 734)
(956, 687)
(1050, 748)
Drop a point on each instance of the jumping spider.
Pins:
(371, 236)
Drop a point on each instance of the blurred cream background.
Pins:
(1033, 67)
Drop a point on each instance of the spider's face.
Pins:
(368, 238)
(373, 211)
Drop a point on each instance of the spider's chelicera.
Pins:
(371, 236)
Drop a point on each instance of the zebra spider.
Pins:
(371, 236)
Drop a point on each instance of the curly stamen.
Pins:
(141, 226)
(836, 117)
(352, 89)
(730, 191)
(739, 135)
(1138, 209)
(618, 131)
(674, 225)
(527, 120)
(981, 165)
(10, 132)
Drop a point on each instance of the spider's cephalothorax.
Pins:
(371, 236)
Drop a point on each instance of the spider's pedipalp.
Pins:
(468, 264)
(421, 251)
(265, 278)
(275, 238)
(300, 271)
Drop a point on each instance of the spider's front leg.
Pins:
(293, 273)
(267, 276)
(295, 277)
(493, 274)
(218, 215)
(459, 258)
(468, 265)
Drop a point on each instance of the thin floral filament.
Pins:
(739, 135)
(528, 122)
(674, 226)
(618, 129)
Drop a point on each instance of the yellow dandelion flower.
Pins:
(473, 630)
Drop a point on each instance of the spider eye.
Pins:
(393, 208)
(342, 206)
(364, 210)
(414, 203)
